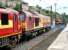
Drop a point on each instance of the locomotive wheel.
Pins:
(35, 34)
(13, 44)
(13, 41)
(47, 29)
(40, 32)
(44, 30)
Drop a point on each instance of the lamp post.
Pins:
(55, 10)
(54, 18)
(53, 24)
(51, 15)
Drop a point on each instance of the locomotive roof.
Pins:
(35, 14)
(30, 14)
(40, 15)
(8, 10)
(2, 10)
(43, 16)
(12, 10)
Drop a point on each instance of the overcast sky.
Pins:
(46, 3)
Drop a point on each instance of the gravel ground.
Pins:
(46, 42)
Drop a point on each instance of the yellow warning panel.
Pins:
(10, 24)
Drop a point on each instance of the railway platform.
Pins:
(61, 42)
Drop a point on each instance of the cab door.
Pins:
(22, 19)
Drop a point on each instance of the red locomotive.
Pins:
(9, 27)
(15, 26)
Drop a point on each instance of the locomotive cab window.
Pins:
(22, 16)
(4, 19)
(36, 21)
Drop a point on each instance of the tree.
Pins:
(11, 0)
(65, 17)
(17, 7)
(38, 8)
(1, 4)
(31, 8)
